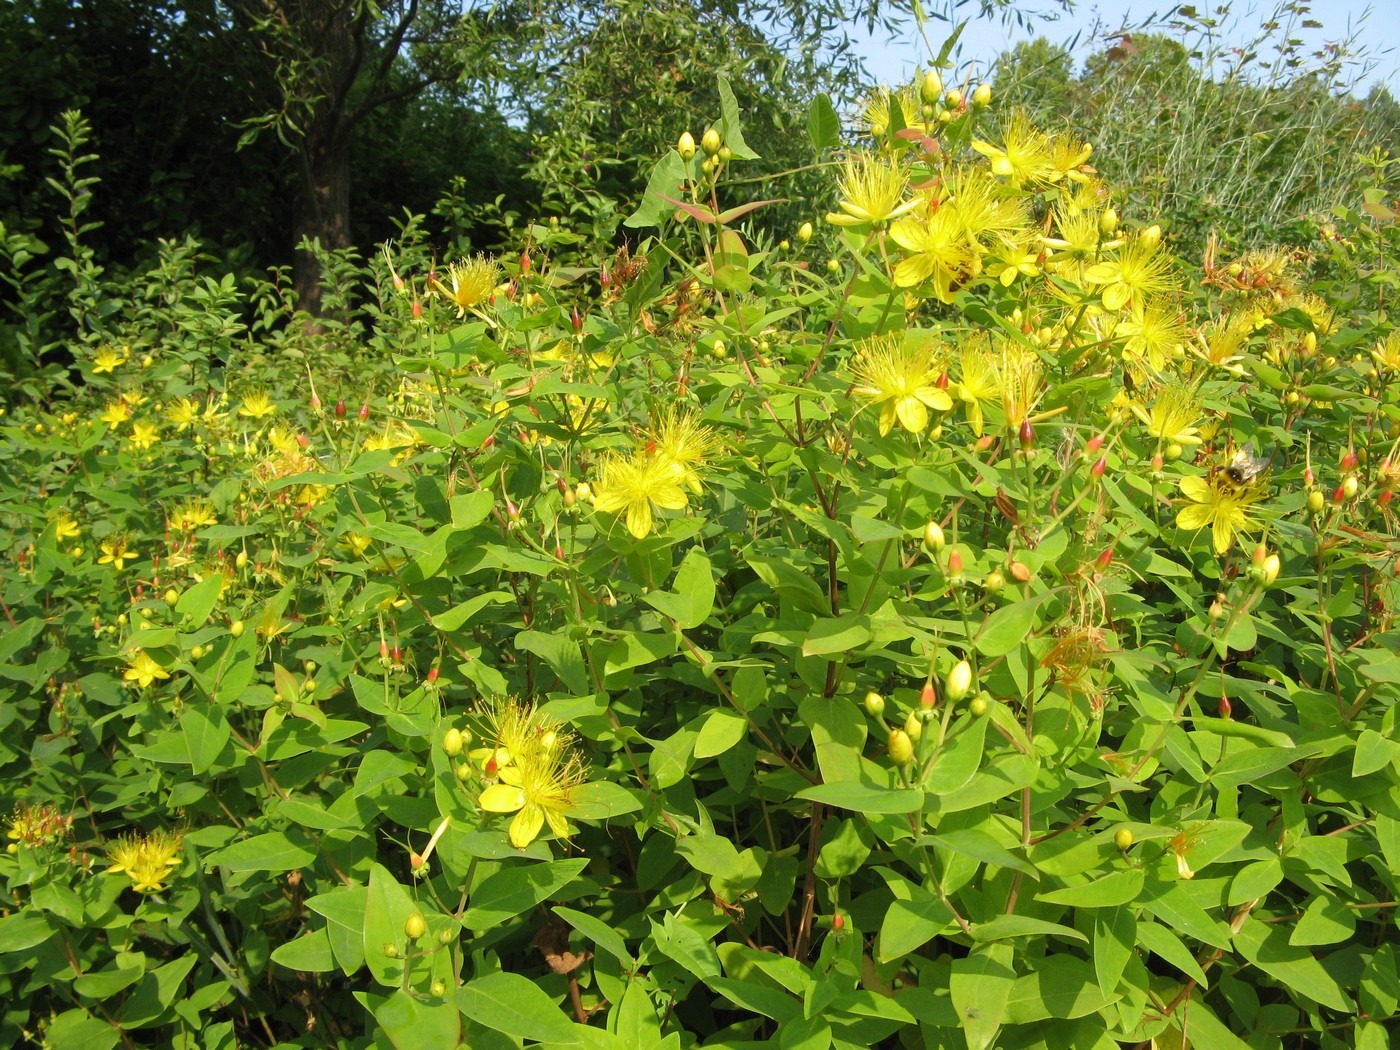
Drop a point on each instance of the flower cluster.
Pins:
(147, 860)
(658, 474)
(534, 769)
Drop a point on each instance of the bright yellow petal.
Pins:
(938, 400)
(1196, 516)
(501, 798)
(1223, 531)
(913, 270)
(639, 518)
(1195, 488)
(557, 823)
(887, 417)
(912, 413)
(1116, 296)
(526, 826)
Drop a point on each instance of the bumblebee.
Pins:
(1244, 469)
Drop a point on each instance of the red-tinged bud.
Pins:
(364, 412)
(340, 409)
(1258, 557)
(1100, 465)
(1309, 478)
(396, 655)
(383, 650)
(417, 310)
(416, 862)
(561, 484)
(605, 278)
(512, 511)
(1339, 494)
(559, 552)
(524, 263)
(1349, 459)
(1223, 708)
(1026, 434)
(315, 402)
(838, 922)
(303, 441)
(1385, 498)
(984, 442)
(928, 696)
(1158, 462)
(491, 766)
(1105, 559)
(955, 562)
(433, 673)
(942, 382)
(1094, 444)
(577, 320)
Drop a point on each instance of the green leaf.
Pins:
(1170, 902)
(980, 987)
(731, 129)
(1008, 627)
(457, 616)
(982, 846)
(1058, 986)
(414, 1024)
(562, 654)
(1326, 920)
(310, 953)
(667, 177)
(841, 634)
(1115, 936)
(909, 925)
(197, 602)
(958, 759)
(507, 893)
(721, 731)
(206, 731)
(1101, 891)
(1004, 926)
(599, 932)
(689, 604)
(78, 1030)
(865, 798)
(271, 851)
(1168, 947)
(515, 1005)
(823, 125)
(1267, 947)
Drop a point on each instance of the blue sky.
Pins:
(1375, 24)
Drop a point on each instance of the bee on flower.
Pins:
(115, 552)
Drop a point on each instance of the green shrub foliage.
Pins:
(962, 623)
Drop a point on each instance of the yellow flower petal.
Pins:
(501, 798)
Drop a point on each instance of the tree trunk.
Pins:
(321, 210)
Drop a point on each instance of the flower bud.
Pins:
(1123, 838)
(452, 742)
(1093, 445)
(958, 681)
(874, 704)
(1349, 459)
(913, 726)
(236, 628)
(931, 87)
(1316, 501)
(1151, 237)
(901, 747)
(171, 596)
(1104, 560)
(804, 233)
(994, 582)
(1351, 486)
(1223, 708)
(340, 409)
(710, 142)
(933, 537)
(982, 97)
(928, 696)
(1108, 222)
(954, 99)
(415, 926)
(1271, 569)
(686, 146)
(838, 922)
(977, 706)
(833, 266)
(437, 989)
(1026, 434)
(1100, 465)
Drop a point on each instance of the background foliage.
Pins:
(866, 568)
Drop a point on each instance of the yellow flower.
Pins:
(1141, 269)
(1173, 417)
(256, 405)
(1019, 374)
(473, 282)
(538, 781)
(65, 528)
(978, 384)
(108, 359)
(193, 515)
(116, 413)
(1068, 155)
(1387, 353)
(115, 552)
(1025, 154)
(36, 825)
(680, 438)
(144, 435)
(902, 380)
(1012, 262)
(1154, 332)
(1219, 504)
(357, 542)
(181, 413)
(872, 191)
(878, 109)
(144, 670)
(147, 860)
(635, 484)
(944, 253)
